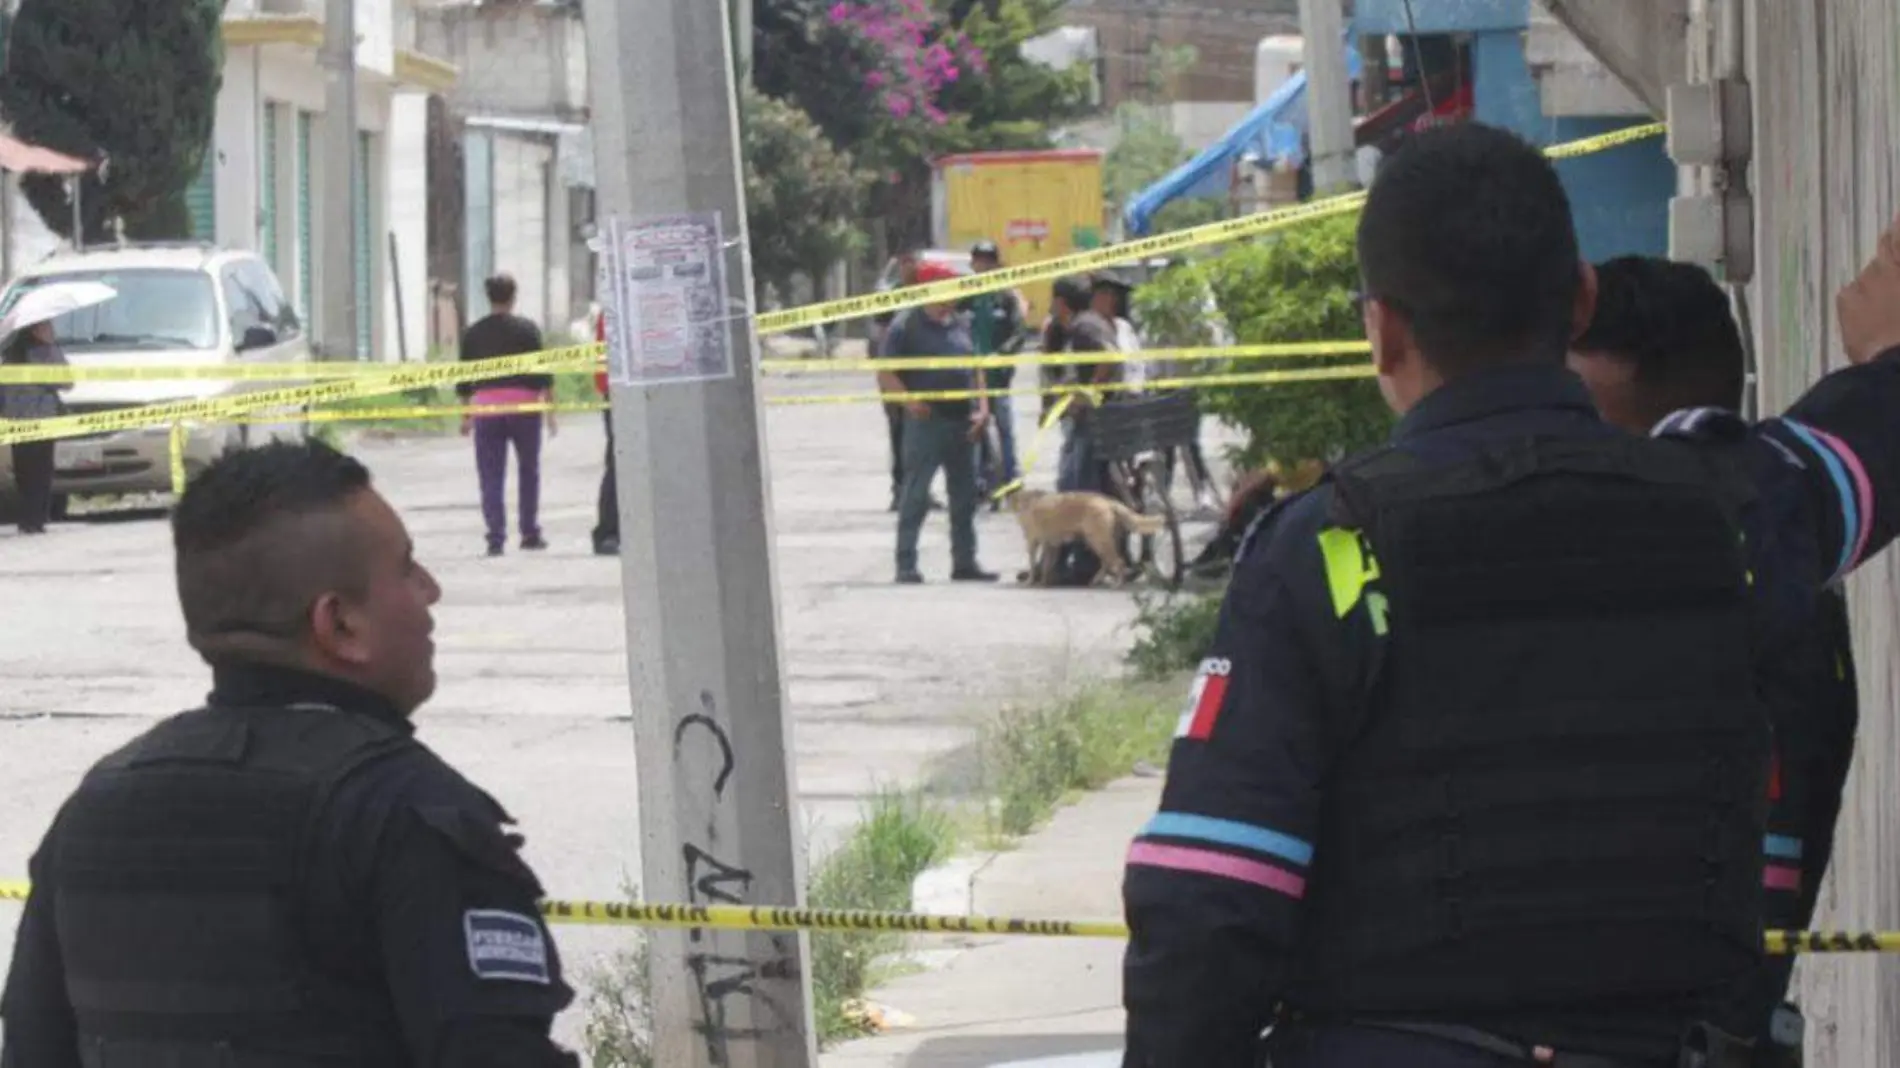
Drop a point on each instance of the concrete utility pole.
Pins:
(1328, 94)
(336, 288)
(711, 741)
(742, 36)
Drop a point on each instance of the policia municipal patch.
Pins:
(506, 945)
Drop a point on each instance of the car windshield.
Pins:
(157, 308)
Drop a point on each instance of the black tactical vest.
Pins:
(1559, 792)
(177, 872)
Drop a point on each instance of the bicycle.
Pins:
(1137, 439)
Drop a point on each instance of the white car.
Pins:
(177, 304)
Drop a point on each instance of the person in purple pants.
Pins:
(503, 333)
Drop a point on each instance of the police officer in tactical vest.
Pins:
(1475, 773)
(1664, 356)
(286, 876)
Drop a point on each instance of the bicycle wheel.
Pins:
(1162, 558)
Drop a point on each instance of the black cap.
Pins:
(1108, 278)
(1072, 289)
(986, 247)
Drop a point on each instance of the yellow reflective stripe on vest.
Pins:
(1350, 566)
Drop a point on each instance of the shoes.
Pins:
(494, 550)
(32, 529)
(606, 546)
(972, 574)
(909, 578)
(534, 544)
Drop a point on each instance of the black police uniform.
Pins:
(1411, 789)
(1807, 671)
(286, 877)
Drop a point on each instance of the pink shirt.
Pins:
(505, 395)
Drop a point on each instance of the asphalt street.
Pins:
(885, 682)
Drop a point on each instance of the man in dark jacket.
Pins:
(1663, 355)
(503, 333)
(286, 877)
(1475, 771)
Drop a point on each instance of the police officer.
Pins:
(1663, 354)
(1474, 773)
(286, 876)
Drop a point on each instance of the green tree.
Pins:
(1297, 285)
(135, 81)
(803, 196)
(967, 85)
(1146, 150)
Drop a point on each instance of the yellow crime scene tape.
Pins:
(220, 409)
(1278, 350)
(41, 374)
(778, 918)
(847, 308)
(1162, 244)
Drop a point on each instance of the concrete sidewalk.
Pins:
(1005, 1000)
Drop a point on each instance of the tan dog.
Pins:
(1052, 520)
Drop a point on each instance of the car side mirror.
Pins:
(257, 337)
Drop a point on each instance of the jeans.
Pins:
(493, 435)
(33, 478)
(1076, 469)
(929, 443)
(1004, 416)
(894, 416)
(607, 513)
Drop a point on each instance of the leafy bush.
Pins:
(1172, 632)
(1297, 285)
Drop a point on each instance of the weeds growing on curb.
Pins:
(1172, 632)
(1034, 757)
(901, 835)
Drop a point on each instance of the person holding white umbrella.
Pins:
(31, 341)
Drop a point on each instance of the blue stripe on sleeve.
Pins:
(1230, 833)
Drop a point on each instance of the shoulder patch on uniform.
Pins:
(1701, 424)
(1205, 699)
(507, 946)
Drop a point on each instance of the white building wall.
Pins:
(234, 146)
(290, 76)
(1824, 75)
(406, 149)
(522, 167)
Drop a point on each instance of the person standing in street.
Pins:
(937, 433)
(503, 333)
(1664, 356)
(607, 509)
(286, 877)
(894, 418)
(1475, 772)
(32, 460)
(996, 326)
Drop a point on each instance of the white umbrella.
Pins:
(52, 300)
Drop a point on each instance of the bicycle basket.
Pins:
(1127, 428)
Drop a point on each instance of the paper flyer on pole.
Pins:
(669, 319)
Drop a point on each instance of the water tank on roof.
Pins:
(1275, 59)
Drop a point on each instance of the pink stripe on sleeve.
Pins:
(1863, 488)
(1781, 877)
(1208, 862)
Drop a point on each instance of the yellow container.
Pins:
(1034, 205)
